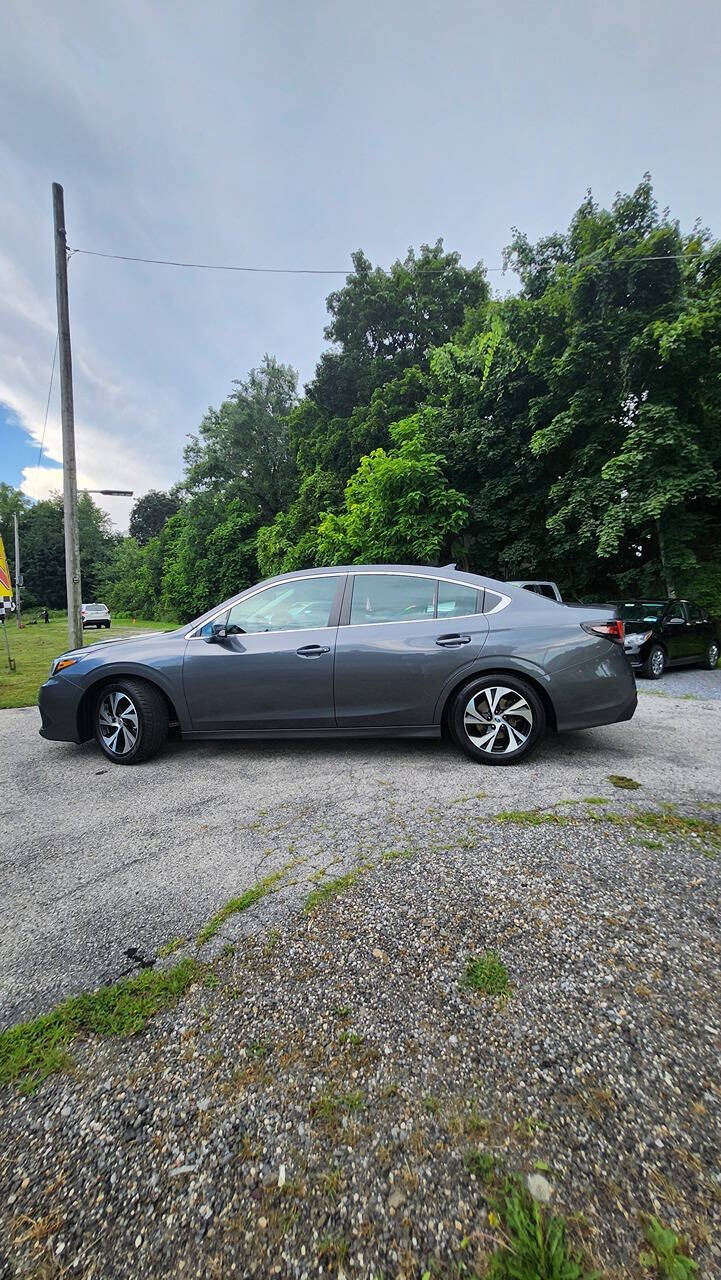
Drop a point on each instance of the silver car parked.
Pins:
(361, 651)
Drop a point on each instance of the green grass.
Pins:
(331, 1103)
(392, 855)
(623, 783)
(330, 889)
(486, 973)
(32, 1051)
(168, 948)
(236, 905)
(35, 645)
(534, 1241)
(664, 1256)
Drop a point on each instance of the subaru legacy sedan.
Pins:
(362, 651)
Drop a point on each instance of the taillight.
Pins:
(612, 629)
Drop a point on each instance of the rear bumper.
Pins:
(601, 690)
(58, 703)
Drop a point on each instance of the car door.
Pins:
(272, 666)
(402, 637)
(699, 630)
(675, 632)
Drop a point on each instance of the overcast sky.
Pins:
(288, 133)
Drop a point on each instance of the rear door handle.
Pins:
(312, 650)
(452, 642)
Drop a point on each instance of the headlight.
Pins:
(636, 639)
(60, 663)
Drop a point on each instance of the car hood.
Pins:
(104, 647)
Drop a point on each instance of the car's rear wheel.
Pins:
(130, 720)
(497, 719)
(655, 663)
(711, 659)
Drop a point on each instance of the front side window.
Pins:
(391, 597)
(456, 600)
(287, 606)
(675, 610)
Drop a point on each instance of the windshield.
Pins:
(641, 610)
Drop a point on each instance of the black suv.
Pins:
(667, 633)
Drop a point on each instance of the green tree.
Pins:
(242, 449)
(398, 506)
(150, 513)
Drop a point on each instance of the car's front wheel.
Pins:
(497, 719)
(711, 659)
(131, 721)
(653, 667)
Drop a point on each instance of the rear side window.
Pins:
(491, 601)
(547, 590)
(695, 614)
(391, 597)
(456, 600)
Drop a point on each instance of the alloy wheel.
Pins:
(118, 723)
(657, 662)
(712, 655)
(498, 720)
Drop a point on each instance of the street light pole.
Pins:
(70, 487)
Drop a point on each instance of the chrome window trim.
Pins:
(434, 577)
(504, 600)
(194, 634)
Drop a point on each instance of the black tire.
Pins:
(107, 625)
(137, 706)
(654, 666)
(499, 748)
(711, 659)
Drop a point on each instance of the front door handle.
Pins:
(452, 642)
(312, 650)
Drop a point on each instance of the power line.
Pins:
(50, 391)
(337, 271)
(220, 266)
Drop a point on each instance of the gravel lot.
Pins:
(105, 864)
(315, 1111)
(313, 1104)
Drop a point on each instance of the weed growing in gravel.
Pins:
(392, 855)
(595, 800)
(330, 889)
(664, 1254)
(331, 1102)
(333, 1250)
(34, 1050)
(236, 905)
(271, 942)
(486, 973)
(623, 783)
(668, 823)
(534, 1242)
(482, 1164)
(168, 948)
(532, 818)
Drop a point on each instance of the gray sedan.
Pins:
(361, 651)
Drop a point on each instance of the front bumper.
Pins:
(59, 703)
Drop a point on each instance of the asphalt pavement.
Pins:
(101, 865)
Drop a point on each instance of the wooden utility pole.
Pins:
(70, 483)
(17, 569)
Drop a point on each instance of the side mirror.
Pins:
(219, 632)
(674, 622)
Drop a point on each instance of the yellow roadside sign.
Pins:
(6, 586)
